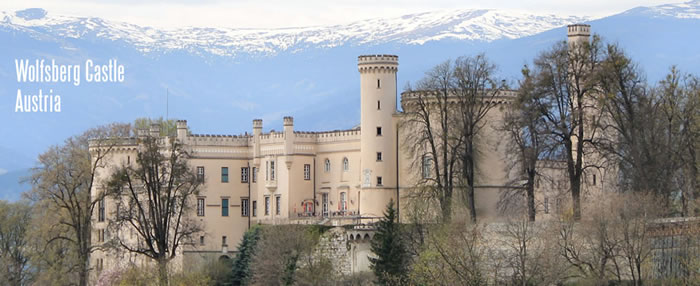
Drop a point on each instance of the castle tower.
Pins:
(378, 132)
(578, 33)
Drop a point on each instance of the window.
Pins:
(379, 156)
(255, 174)
(100, 264)
(201, 240)
(267, 170)
(101, 210)
(128, 160)
(200, 206)
(427, 166)
(223, 241)
(327, 165)
(594, 179)
(100, 235)
(307, 172)
(224, 174)
(379, 131)
(379, 180)
(343, 201)
(244, 175)
(224, 207)
(200, 174)
(267, 205)
(546, 205)
(272, 170)
(346, 164)
(278, 205)
(244, 207)
(379, 84)
(379, 105)
(255, 208)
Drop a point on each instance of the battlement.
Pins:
(503, 97)
(576, 30)
(378, 63)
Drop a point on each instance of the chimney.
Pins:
(288, 140)
(257, 130)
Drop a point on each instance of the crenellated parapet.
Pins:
(504, 97)
(378, 64)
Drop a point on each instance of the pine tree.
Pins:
(240, 272)
(391, 262)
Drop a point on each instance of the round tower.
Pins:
(378, 132)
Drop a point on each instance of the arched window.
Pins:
(346, 164)
(327, 165)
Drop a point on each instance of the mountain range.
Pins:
(219, 79)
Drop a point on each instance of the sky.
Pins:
(297, 13)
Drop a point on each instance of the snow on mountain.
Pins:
(415, 29)
(687, 10)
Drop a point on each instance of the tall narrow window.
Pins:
(307, 172)
(201, 240)
(128, 160)
(346, 164)
(224, 207)
(200, 206)
(379, 131)
(200, 174)
(244, 207)
(379, 156)
(244, 175)
(223, 241)
(101, 210)
(255, 208)
(379, 85)
(379, 105)
(255, 174)
(272, 170)
(267, 205)
(278, 205)
(379, 181)
(594, 179)
(546, 205)
(343, 201)
(327, 165)
(224, 174)
(267, 170)
(427, 166)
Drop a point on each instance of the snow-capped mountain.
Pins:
(220, 78)
(475, 25)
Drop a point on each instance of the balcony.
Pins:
(271, 185)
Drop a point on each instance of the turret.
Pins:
(578, 33)
(181, 130)
(257, 130)
(155, 130)
(378, 131)
(288, 140)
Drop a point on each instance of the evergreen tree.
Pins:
(391, 262)
(240, 272)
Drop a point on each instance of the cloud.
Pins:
(3, 171)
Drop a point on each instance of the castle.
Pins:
(341, 177)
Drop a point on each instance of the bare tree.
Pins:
(475, 87)
(565, 89)
(430, 125)
(154, 198)
(64, 177)
(527, 145)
